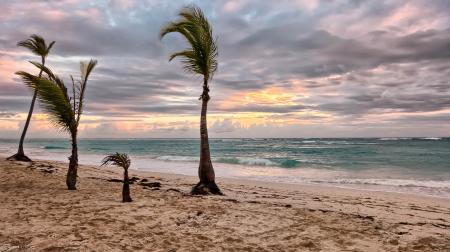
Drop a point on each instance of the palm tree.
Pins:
(36, 44)
(199, 58)
(121, 160)
(64, 110)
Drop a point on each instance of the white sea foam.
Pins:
(408, 138)
(178, 158)
(394, 138)
(227, 160)
(431, 138)
(230, 140)
(255, 161)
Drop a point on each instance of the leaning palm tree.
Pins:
(36, 44)
(121, 160)
(199, 58)
(64, 110)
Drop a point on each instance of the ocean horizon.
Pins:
(414, 165)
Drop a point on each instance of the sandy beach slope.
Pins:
(38, 214)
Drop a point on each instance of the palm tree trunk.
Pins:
(20, 155)
(206, 173)
(71, 178)
(126, 188)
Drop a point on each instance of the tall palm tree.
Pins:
(64, 110)
(199, 58)
(121, 160)
(36, 44)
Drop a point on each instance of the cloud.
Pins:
(225, 126)
(340, 61)
(266, 108)
(6, 115)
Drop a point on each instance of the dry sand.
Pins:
(38, 214)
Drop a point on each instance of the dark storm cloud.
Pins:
(108, 90)
(358, 105)
(140, 74)
(15, 104)
(250, 84)
(175, 109)
(10, 88)
(425, 119)
(322, 54)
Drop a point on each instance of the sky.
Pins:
(298, 68)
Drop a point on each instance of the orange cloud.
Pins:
(270, 96)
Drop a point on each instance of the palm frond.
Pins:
(189, 59)
(76, 100)
(45, 69)
(54, 100)
(74, 94)
(36, 44)
(86, 69)
(201, 58)
(50, 46)
(117, 159)
(53, 77)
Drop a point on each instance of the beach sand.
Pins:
(38, 214)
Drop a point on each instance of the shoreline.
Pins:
(253, 215)
(350, 187)
(273, 185)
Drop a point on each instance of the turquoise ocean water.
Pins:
(407, 165)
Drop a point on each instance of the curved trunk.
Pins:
(206, 173)
(71, 178)
(20, 155)
(126, 188)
